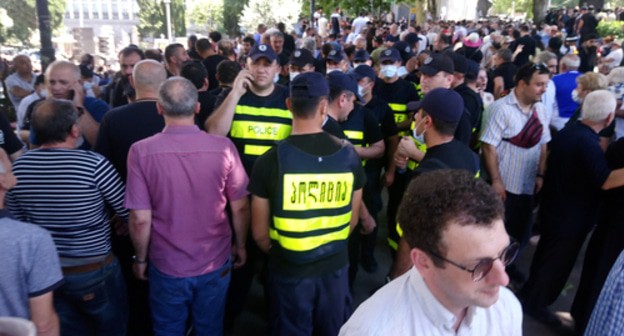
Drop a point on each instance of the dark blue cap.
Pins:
(309, 85)
(436, 63)
(390, 55)
(301, 57)
(335, 55)
(262, 50)
(337, 79)
(443, 104)
(363, 70)
(460, 63)
(473, 70)
(411, 39)
(361, 56)
(404, 49)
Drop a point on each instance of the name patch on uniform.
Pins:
(317, 191)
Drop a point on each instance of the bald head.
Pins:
(63, 65)
(147, 76)
(178, 97)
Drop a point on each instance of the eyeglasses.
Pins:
(484, 266)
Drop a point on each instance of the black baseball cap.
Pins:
(404, 49)
(436, 63)
(342, 81)
(460, 63)
(309, 85)
(301, 57)
(390, 55)
(361, 56)
(262, 50)
(411, 39)
(443, 104)
(362, 71)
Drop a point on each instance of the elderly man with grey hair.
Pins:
(179, 182)
(572, 194)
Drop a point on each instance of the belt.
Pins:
(88, 267)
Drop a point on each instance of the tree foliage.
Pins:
(22, 12)
(269, 12)
(205, 15)
(153, 18)
(232, 10)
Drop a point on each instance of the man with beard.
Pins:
(121, 91)
(588, 53)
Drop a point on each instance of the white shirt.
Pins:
(358, 24)
(518, 166)
(405, 306)
(322, 26)
(549, 100)
(616, 58)
(23, 107)
(423, 43)
(15, 80)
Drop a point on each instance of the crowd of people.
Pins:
(154, 198)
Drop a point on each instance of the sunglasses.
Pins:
(484, 266)
(540, 67)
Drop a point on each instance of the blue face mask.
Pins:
(419, 137)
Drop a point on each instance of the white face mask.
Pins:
(43, 93)
(575, 97)
(419, 137)
(332, 70)
(389, 71)
(361, 91)
(402, 71)
(276, 78)
(293, 75)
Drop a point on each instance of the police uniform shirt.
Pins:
(397, 95)
(384, 116)
(332, 127)
(263, 183)
(259, 122)
(450, 155)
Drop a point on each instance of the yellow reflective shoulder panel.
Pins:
(304, 192)
(354, 135)
(398, 107)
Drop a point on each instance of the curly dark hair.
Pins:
(433, 200)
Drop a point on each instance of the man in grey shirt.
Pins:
(30, 266)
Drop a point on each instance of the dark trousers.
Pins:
(552, 264)
(395, 195)
(309, 306)
(519, 217)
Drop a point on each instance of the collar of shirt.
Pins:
(179, 129)
(434, 310)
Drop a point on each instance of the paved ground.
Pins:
(252, 321)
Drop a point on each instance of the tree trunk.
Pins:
(539, 11)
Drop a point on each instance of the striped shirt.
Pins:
(608, 315)
(67, 192)
(517, 166)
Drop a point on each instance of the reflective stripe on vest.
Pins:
(400, 115)
(312, 206)
(354, 127)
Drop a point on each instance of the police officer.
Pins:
(254, 115)
(306, 195)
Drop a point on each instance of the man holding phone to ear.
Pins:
(62, 81)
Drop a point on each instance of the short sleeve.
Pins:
(45, 273)
(493, 126)
(137, 191)
(237, 180)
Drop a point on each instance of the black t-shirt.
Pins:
(122, 127)
(333, 127)
(372, 131)
(528, 49)
(607, 132)
(211, 63)
(400, 92)
(588, 58)
(473, 104)
(263, 183)
(384, 116)
(463, 132)
(450, 155)
(206, 107)
(589, 24)
(507, 71)
(572, 194)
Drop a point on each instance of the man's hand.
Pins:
(242, 83)
(539, 183)
(498, 186)
(140, 270)
(239, 256)
(387, 179)
(368, 225)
